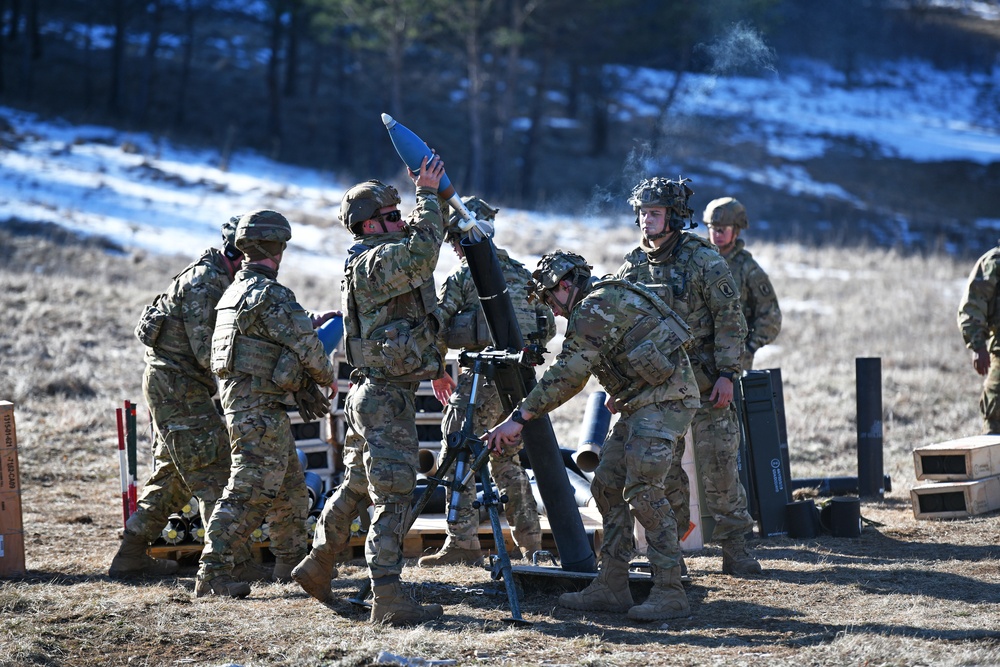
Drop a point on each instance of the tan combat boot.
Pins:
(452, 554)
(132, 560)
(391, 606)
(251, 573)
(283, 571)
(314, 573)
(736, 559)
(608, 592)
(666, 600)
(223, 585)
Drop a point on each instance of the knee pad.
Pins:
(392, 480)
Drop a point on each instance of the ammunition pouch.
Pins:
(396, 351)
(468, 329)
(650, 364)
(288, 373)
(150, 324)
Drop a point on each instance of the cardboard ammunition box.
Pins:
(11, 527)
(953, 500)
(975, 457)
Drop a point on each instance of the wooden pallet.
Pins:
(427, 535)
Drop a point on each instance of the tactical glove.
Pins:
(312, 402)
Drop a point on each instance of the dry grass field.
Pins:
(907, 592)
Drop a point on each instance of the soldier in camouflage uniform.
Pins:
(692, 278)
(191, 448)
(979, 320)
(725, 219)
(390, 340)
(465, 328)
(269, 359)
(632, 342)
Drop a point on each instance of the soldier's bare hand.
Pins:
(443, 387)
(321, 318)
(506, 434)
(981, 361)
(722, 393)
(431, 172)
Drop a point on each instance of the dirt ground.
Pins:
(907, 592)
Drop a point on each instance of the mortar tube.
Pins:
(513, 385)
(869, 388)
(596, 422)
(427, 461)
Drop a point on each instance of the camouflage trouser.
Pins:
(266, 480)
(989, 402)
(716, 436)
(506, 470)
(631, 480)
(333, 529)
(383, 414)
(190, 452)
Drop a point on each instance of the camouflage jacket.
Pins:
(608, 335)
(264, 348)
(760, 304)
(979, 311)
(390, 320)
(693, 279)
(184, 342)
(462, 316)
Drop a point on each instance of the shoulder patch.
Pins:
(765, 289)
(726, 288)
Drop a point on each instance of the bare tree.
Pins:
(116, 92)
(147, 80)
(190, 9)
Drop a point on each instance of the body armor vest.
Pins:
(640, 356)
(396, 341)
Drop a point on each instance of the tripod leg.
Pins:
(491, 502)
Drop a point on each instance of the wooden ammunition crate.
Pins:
(975, 457)
(953, 500)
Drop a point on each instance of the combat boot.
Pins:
(666, 600)
(283, 571)
(314, 573)
(132, 560)
(251, 573)
(391, 606)
(736, 559)
(452, 554)
(608, 592)
(223, 585)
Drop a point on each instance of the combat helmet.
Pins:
(554, 267)
(229, 238)
(726, 212)
(673, 195)
(262, 234)
(363, 201)
(479, 208)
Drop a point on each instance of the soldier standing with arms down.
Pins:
(191, 446)
(979, 320)
(465, 327)
(390, 339)
(725, 219)
(632, 342)
(694, 280)
(269, 359)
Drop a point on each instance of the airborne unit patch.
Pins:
(726, 288)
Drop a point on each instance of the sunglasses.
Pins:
(391, 216)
